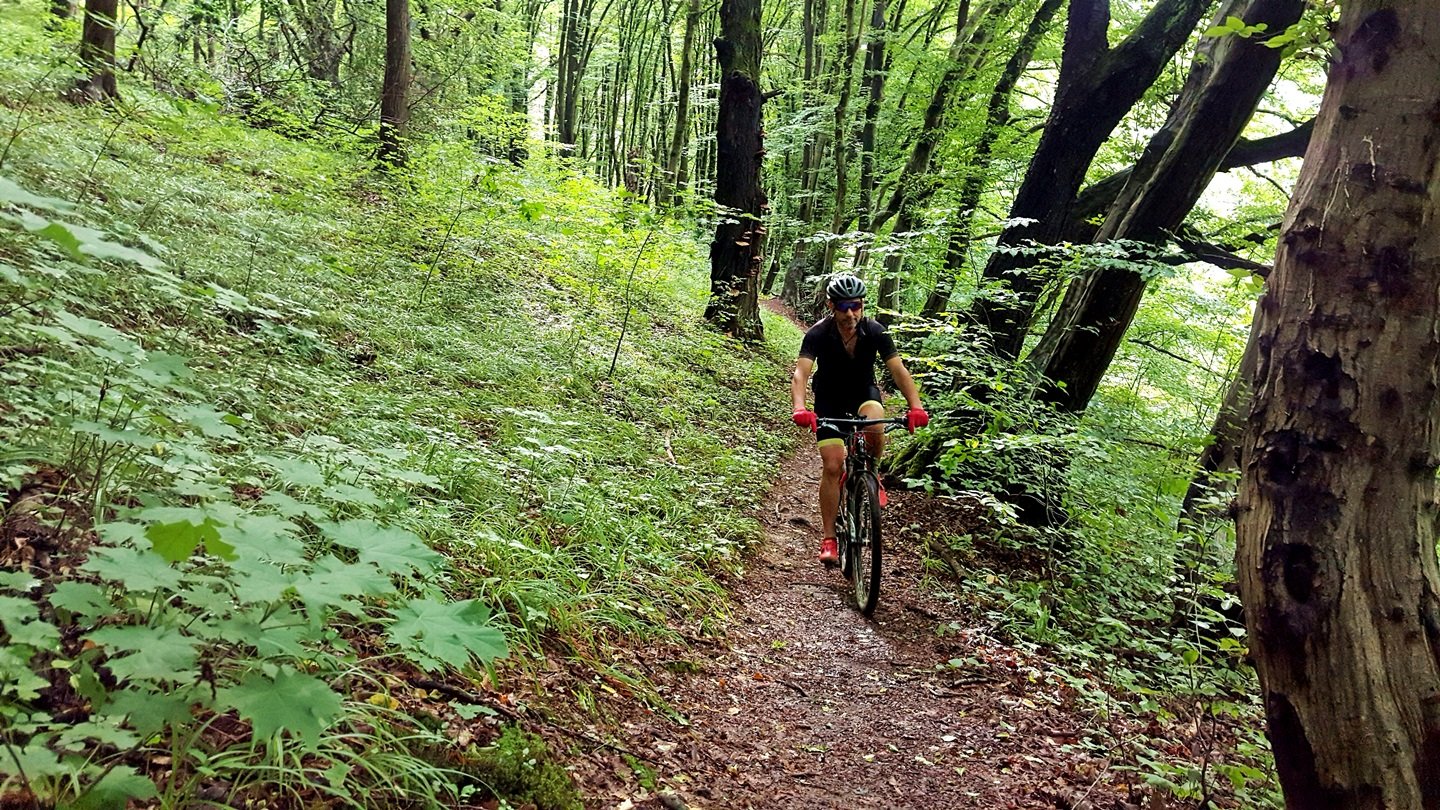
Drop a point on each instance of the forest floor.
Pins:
(806, 703)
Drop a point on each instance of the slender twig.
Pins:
(439, 251)
(90, 175)
(625, 324)
(20, 113)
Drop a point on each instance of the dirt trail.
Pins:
(809, 704)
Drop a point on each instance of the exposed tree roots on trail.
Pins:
(806, 703)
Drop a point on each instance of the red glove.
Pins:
(806, 419)
(916, 418)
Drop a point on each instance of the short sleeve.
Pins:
(884, 344)
(810, 344)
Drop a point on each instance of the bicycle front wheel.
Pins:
(863, 553)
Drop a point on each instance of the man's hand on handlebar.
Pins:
(806, 419)
(916, 418)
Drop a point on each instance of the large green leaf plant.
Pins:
(210, 595)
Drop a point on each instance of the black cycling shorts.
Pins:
(846, 407)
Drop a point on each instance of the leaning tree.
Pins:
(1338, 499)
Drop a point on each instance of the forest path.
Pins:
(806, 703)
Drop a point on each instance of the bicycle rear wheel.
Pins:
(863, 551)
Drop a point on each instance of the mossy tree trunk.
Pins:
(1338, 500)
(738, 248)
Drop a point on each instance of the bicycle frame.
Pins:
(858, 519)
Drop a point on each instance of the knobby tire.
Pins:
(863, 551)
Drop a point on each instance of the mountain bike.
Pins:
(857, 527)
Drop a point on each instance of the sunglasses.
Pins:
(848, 306)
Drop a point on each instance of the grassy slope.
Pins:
(430, 351)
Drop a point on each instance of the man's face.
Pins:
(849, 312)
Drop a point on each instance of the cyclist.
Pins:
(841, 351)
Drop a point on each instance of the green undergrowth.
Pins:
(1134, 613)
(279, 429)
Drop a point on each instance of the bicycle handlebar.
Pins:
(896, 422)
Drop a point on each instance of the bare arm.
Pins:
(800, 380)
(903, 379)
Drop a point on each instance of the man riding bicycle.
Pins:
(841, 351)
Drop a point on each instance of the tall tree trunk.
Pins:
(917, 183)
(395, 91)
(97, 52)
(738, 248)
(1338, 504)
(848, 50)
(1227, 80)
(674, 180)
(997, 116)
(812, 153)
(1097, 86)
(876, 65)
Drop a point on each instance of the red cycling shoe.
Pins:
(829, 551)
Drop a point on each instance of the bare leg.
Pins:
(874, 436)
(832, 461)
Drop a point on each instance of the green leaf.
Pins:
(207, 420)
(265, 537)
(296, 471)
(155, 654)
(333, 583)
(83, 599)
(109, 435)
(291, 508)
(394, 550)
(11, 193)
(349, 494)
(289, 701)
(177, 541)
(150, 712)
(17, 580)
(162, 369)
(15, 611)
(73, 738)
(34, 761)
(35, 633)
(116, 789)
(434, 634)
(1234, 23)
(16, 678)
(259, 581)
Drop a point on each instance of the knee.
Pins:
(832, 466)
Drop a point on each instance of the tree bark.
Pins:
(847, 52)
(738, 248)
(1228, 77)
(97, 52)
(1097, 86)
(876, 66)
(674, 169)
(1338, 503)
(812, 152)
(324, 50)
(1098, 197)
(395, 91)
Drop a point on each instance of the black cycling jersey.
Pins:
(843, 380)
